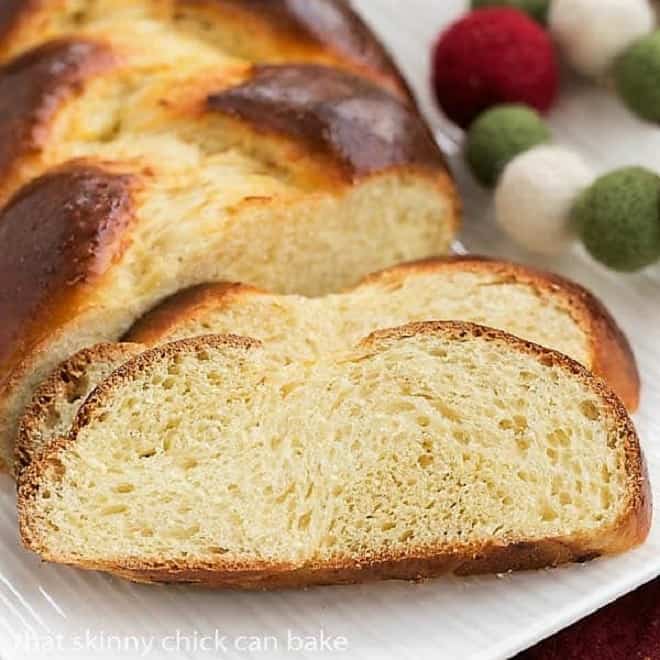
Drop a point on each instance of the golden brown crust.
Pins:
(33, 88)
(424, 564)
(612, 357)
(160, 321)
(474, 560)
(65, 229)
(630, 529)
(343, 116)
(69, 381)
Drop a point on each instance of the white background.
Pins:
(489, 617)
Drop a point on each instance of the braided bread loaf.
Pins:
(151, 145)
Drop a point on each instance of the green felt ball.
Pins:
(537, 9)
(637, 76)
(498, 135)
(618, 218)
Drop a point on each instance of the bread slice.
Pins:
(431, 448)
(535, 305)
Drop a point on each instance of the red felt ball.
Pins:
(493, 56)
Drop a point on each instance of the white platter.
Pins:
(46, 611)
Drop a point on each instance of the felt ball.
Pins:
(618, 218)
(637, 75)
(493, 56)
(535, 195)
(499, 135)
(536, 9)
(593, 33)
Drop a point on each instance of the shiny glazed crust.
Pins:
(612, 357)
(628, 531)
(332, 112)
(64, 230)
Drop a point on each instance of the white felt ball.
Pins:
(535, 196)
(592, 33)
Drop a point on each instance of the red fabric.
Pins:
(493, 56)
(629, 629)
